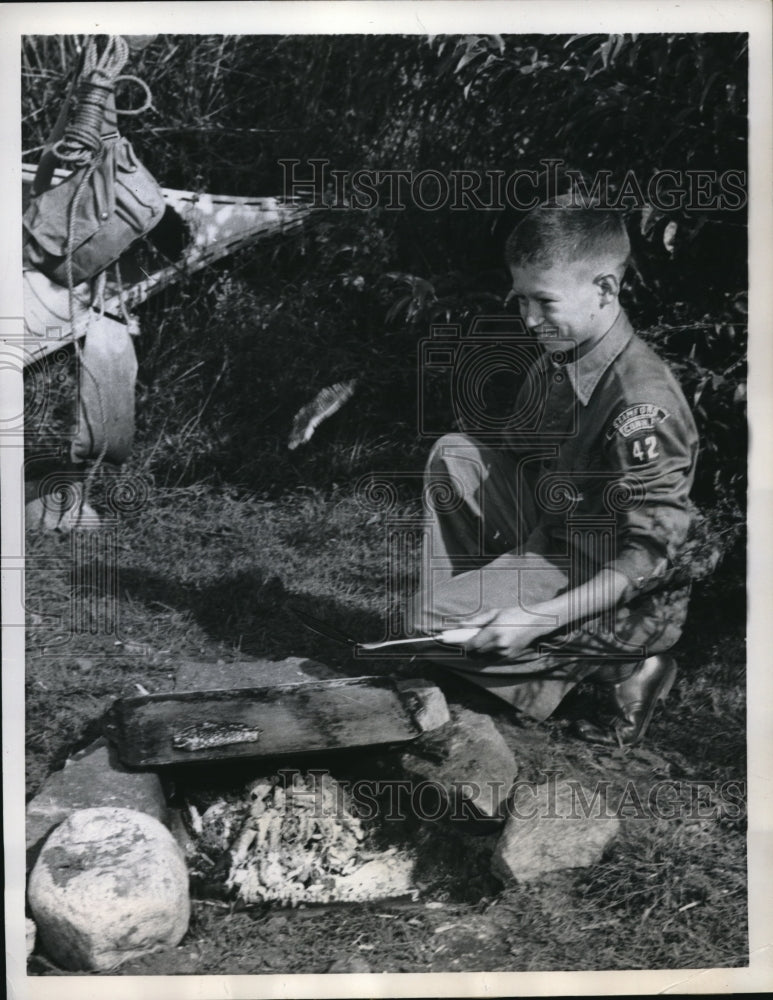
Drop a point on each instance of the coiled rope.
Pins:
(82, 146)
(82, 137)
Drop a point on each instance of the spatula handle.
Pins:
(454, 635)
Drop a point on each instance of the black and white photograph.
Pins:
(384, 478)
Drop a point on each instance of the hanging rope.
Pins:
(81, 146)
(82, 138)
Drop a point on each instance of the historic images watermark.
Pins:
(552, 797)
(315, 181)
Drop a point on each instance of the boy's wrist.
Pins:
(551, 615)
(541, 620)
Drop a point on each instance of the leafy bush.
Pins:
(229, 357)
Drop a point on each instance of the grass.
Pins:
(227, 527)
(215, 526)
(204, 573)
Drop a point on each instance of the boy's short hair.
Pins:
(562, 232)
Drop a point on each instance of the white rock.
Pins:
(92, 778)
(110, 884)
(30, 931)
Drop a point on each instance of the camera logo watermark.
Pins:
(491, 482)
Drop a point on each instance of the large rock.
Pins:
(109, 885)
(92, 778)
(550, 827)
(202, 676)
(470, 763)
(29, 932)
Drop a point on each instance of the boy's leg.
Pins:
(475, 507)
(535, 683)
(538, 680)
(478, 513)
(468, 564)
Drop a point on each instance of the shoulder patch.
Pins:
(640, 418)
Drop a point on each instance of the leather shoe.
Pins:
(630, 704)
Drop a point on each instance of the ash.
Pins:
(296, 842)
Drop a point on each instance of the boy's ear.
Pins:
(609, 287)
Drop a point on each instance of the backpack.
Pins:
(96, 214)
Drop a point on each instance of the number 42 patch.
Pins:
(645, 450)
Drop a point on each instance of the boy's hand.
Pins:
(506, 632)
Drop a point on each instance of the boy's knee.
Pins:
(459, 456)
(452, 445)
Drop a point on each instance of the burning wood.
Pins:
(301, 843)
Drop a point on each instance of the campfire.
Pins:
(221, 793)
(293, 842)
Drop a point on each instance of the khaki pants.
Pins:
(481, 551)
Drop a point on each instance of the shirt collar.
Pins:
(585, 373)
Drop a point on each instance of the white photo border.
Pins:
(425, 17)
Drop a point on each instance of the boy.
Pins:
(560, 539)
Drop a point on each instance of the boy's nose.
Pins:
(533, 317)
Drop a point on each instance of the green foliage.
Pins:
(228, 358)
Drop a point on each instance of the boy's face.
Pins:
(566, 298)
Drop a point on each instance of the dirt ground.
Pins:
(669, 892)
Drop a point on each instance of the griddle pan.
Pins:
(289, 719)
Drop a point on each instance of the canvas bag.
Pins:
(102, 208)
(108, 374)
(96, 213)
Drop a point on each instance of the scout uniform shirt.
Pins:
(610, 460)
(594, 471)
